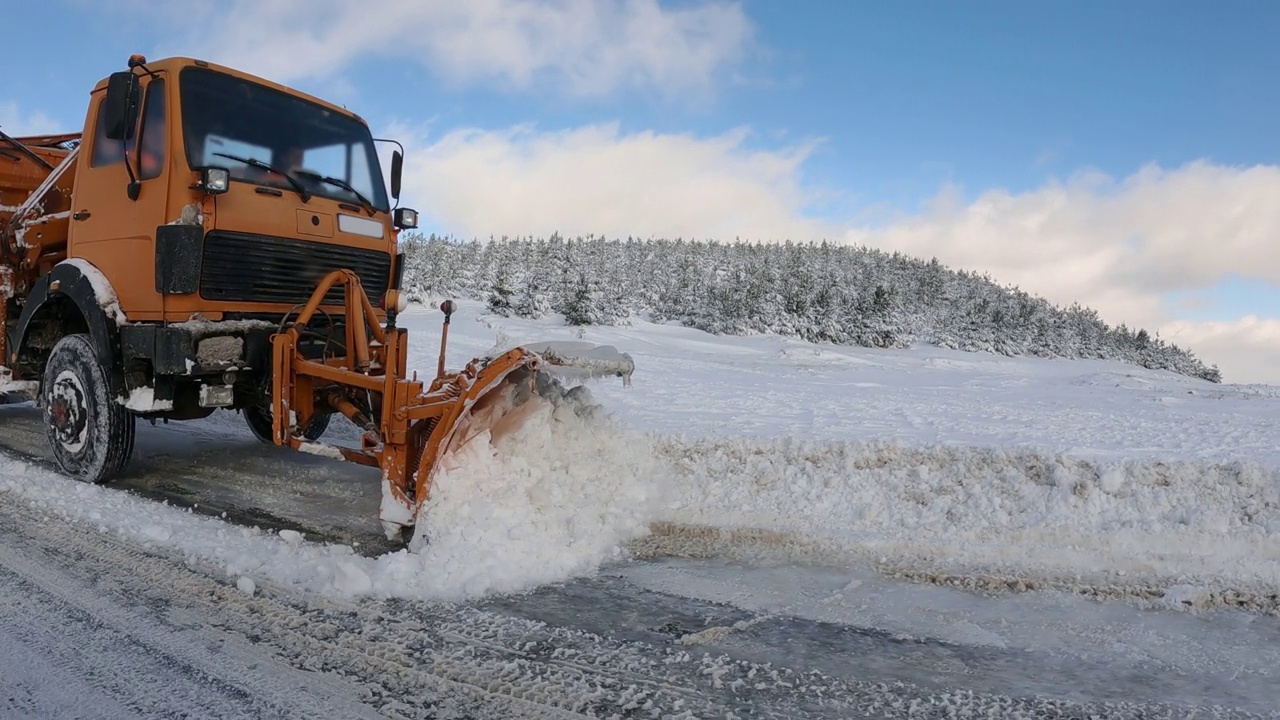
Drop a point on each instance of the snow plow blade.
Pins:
(409, 426)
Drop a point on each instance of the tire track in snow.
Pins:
(134, 654)
(412, 659)
(344, 664)
(419, 660)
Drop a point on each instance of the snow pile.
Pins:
(550, 499)
(547, 499)
(974, 509)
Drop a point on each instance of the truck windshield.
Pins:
(224, 115)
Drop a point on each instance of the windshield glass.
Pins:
(223, 115)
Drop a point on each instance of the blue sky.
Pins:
(1137, 137)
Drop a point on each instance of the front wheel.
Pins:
(259, 421)
(91, 434)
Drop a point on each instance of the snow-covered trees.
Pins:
(820, 292)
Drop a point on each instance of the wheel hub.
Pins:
(68, 411)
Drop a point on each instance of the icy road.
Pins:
(765, 529)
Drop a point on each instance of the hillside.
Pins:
(818, 292)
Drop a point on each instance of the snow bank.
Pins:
(570, 489)
(974, 510)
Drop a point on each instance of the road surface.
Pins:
(92, 626)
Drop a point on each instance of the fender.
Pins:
(91, 292)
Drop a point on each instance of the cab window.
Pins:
(152, 153)
(105, 150)
(150, 160)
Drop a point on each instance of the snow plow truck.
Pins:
(212, 240)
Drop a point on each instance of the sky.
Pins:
(1119, 155)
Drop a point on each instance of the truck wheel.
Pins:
(259, 421)
(90, 433)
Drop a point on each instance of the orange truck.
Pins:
(214, 240)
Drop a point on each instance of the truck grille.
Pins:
(259, 268)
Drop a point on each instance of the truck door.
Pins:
(109, 230)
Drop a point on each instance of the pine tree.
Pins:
(500, 295)
(580, 308)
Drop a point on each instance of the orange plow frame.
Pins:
(414, 424)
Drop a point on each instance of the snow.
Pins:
(953, 468)
(190, 214)
(102, 289)
(201, 327)
(584, 360)
(143, 399)
(8, 385)
(550, 499)
(321, 449)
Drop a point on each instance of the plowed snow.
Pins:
(550, 498)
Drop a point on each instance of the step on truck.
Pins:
(213, 240)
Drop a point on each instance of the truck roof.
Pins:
(176, 63)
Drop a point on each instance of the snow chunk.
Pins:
(144, 399)
(1183, 597)
(350, 579)
(583, 359)
(157, 533)
(26, 388)
(200, 327)
(321, 449)
(189, 215)
(246, 585)
(1111, 480)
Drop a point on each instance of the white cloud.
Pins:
(1119, 246)
(1115, 245)
(596, 179)
(1122, 247)
(15, 122)
(1245, 349)
(586, 47)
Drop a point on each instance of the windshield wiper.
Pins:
(254, 162)
(368, 206)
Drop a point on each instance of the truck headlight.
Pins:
(405, 218)
(216, 180)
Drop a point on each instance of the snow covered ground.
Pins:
(865, 488)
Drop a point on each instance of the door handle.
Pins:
(82, 215)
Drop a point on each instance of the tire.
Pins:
(91, 434)
(259, 421)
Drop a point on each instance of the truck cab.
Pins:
(205, 205)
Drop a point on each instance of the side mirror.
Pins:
(397, 169)
(121, 111)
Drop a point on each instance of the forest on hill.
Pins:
(821, 292)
